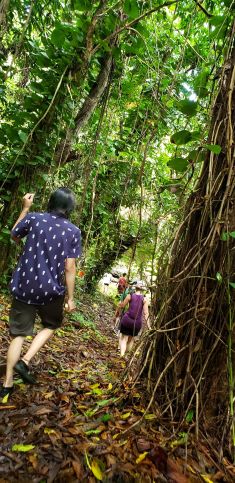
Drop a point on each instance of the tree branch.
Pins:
(86, 110)
(134, 21)
(91, 29)
(209, 15)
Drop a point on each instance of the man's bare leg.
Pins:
(13, 356)
(38, 342)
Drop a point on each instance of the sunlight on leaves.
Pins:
(205, 478)
(126, 415)
(49, 430)
(94, 386)
(93, 431)
(181, 441)
(141, 457)
(22, 448)
(150, 416)
(5, 399)
(96, 470)
(219, 277)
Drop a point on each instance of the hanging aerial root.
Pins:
(184, 361)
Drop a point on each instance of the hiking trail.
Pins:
(69, 427)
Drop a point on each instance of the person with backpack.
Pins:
(46, 266)
(122, 284)
(132, 320)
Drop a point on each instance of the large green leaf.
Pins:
(188, 107)
(131, 8)
(178, 164)
(200, 83)
(189, 416)
(181, 137)
(219, 32)
(196, 135)
(58, 36)
(81, 5)
(214, 148)
(22, 135)
(196, 156)
(217, 20)
(224, 236)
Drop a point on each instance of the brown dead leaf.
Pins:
(65, 398)
(143, 445)
(75, 430)
(174, 471)
(110, 459)
(69, 440)
(49, 395)
(42, 411)
(33, 458)
(104, 435)
(44, 470)
(66, 475)
(77, 469)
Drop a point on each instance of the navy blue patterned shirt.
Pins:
(50, 239)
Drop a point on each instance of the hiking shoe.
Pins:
(5, 391)
(22, 369)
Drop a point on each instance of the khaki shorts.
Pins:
(22, 316)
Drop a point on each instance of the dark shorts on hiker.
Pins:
(22, 316)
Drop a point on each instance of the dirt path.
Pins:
(70, 425)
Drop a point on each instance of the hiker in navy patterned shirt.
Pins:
(37, 285)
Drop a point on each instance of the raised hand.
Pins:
(28, 200)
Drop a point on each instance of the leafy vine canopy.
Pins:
(112, 98)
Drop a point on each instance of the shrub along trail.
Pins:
(69, 427)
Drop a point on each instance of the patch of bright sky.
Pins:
(192, 96)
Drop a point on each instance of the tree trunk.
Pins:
(189, 348)
(4, 5)
(87, 109)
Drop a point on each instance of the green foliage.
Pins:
(131, 8)
(219, 277)
(89, 325)
(160, 83)
(214, 148)
(187, 107)
(178, 164)
(184, 137)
